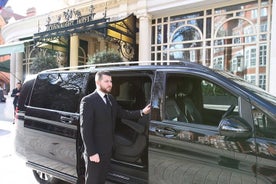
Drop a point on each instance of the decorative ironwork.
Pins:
(126, 50)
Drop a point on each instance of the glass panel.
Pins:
(158, 57)
(159, 34)
(218, 62)
(216, 98)
(250, 56)
(165, 30)
(263, 54)
(263, 26)
(208, 27)
(250, 78)
(265, 2)
(263, 37)
(165, 56)
(174, 26)
(153, 35)
(187, 16)
(58, 91)
(235, 27)
(240, 60)
(209, 12)
(208, 57)
(186, 33)
(190, 55)
(159, 20)
(263, 12)
(153, 56)
(219, 19)
(236, 7)
(265, 126)
(198, 23)
(185, 45)
(250, 39)
(262, 81)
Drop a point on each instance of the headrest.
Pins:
(186, 87)
(171, 87)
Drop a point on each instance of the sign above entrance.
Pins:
(70, 18)
(68, 22)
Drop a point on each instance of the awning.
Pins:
(14, 47)
(57, 44)
(5, 66)
(124, 29)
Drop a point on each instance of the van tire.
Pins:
(44, 178)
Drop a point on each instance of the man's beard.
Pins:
(105, 90)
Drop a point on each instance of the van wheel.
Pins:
(44, 178)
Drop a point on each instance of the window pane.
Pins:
(186, 33)
(264, 125)
(58, 91)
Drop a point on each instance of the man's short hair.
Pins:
(100, 74)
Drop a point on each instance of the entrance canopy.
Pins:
(123, 30)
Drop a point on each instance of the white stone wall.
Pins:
(272, 62)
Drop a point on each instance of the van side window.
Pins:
(216, 101)
(264, 125)
(131, 92)
(57, 91)
(194, 100)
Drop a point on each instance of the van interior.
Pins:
(131, 93)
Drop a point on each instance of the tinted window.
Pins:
(58, 91)
(131, 92)
(24, 97)
(195, 100)
(264, 125)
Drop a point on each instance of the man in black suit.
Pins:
(98, 113)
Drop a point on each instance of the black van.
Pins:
(205, 126)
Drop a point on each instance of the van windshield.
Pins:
(251, 87)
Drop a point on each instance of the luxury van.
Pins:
(205, 125)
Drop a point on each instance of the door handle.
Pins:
(166, 131)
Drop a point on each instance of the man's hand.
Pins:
(95, 158)
(146, 110)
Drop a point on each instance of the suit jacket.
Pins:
(97, 123)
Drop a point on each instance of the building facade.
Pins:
(238, 36)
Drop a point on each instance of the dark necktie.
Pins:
(107, 100)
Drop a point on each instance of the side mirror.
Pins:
(234, 127)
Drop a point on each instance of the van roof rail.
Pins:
(125, 63)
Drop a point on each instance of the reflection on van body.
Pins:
(205, 126)
(218, 147)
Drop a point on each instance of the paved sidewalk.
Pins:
(12, 168)
(6, 109)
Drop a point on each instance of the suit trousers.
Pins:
(96, 172)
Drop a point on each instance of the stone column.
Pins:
(13, 79)
(272, 62)
(144, 37)
(102, 44)
(74, 50)
(19, 66)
